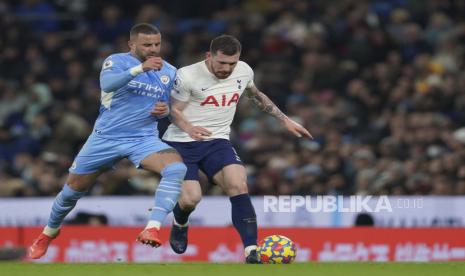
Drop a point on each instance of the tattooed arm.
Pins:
(265, 104)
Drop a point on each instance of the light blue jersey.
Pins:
(126, 100)
(125, 128)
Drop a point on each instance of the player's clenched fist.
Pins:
(160, 109)
(153, 63)
(198, 133)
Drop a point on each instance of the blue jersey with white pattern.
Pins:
(126, 101)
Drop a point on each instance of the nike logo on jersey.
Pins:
(203, 89)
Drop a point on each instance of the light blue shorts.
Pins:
(100, 153)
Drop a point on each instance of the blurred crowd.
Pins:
(379, 84)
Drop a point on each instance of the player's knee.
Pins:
(175, 171)
(79, 183)
(237, 188)
(188, 201)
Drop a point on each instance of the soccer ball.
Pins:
(276, 249)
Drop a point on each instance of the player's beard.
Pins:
(218, 74)
(222, 75)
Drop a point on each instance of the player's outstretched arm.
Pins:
(266, 105)
(179, 119)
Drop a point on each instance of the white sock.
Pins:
(51, 232)
(180, 225)
(249, 249)
(152, 224)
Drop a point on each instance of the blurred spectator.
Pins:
(39, 15)
(364, 219)
(88, 219)
(111, 24)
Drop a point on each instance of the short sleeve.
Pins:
(113, 63)
(181, 90)
(250, 83)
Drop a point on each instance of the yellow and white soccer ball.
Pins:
(276, 249)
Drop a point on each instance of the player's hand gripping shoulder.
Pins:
(266, 105)
(153, 63)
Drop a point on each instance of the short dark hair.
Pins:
(227, 44)
(143, 28)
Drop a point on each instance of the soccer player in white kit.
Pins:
(203, 104)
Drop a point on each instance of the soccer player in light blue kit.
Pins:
(135, 93)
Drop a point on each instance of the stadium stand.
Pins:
(379, 84)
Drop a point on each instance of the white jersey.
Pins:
(211, 101)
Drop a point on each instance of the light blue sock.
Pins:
(63, 204)
(168, 191)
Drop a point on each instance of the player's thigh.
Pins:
(192, 154)
(232, 179)
(157, 161)
(223, 165)
(191, 194)
(151, 154)
(97, 154)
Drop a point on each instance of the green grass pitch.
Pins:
(206, 269)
